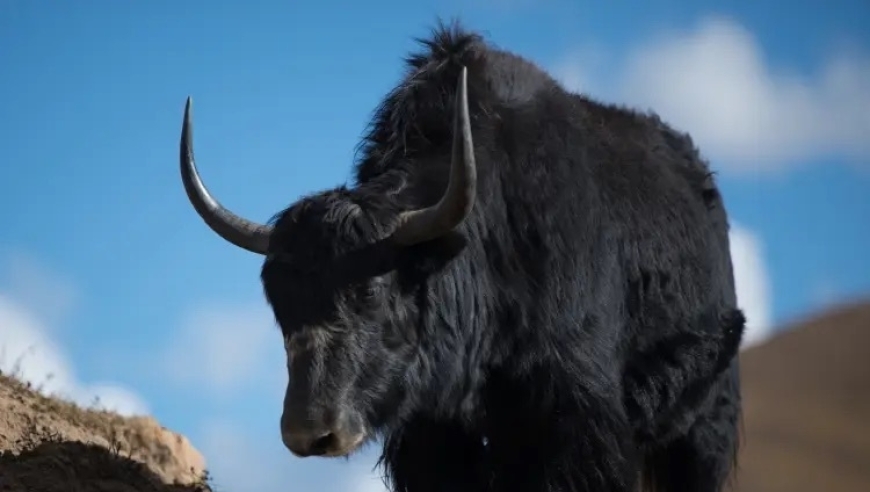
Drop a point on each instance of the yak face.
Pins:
(332, 278)
(341, 272)
(347, 298)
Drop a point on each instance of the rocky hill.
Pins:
(51, 445)
(807, 407)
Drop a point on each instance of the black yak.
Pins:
(524, 289)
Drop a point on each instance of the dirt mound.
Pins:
(48, 444)
(807, 399)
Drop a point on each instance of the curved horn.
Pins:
(237, 230)
(416, 226)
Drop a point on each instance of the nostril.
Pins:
(323, 443)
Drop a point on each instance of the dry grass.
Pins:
(49, 444)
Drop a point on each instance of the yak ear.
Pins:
(431, 256)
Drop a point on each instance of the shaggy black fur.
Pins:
(578, 332)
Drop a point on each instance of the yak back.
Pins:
(595, 226)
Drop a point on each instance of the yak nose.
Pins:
(327, 437)
(310, 442)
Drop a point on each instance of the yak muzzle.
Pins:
(327, 437)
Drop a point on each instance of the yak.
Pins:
(523, 289)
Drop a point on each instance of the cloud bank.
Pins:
(223, 348)
(713, 80)
(33, 301)
(753, 284)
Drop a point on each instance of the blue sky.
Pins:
(126, 287)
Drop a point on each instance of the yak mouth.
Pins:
(332, 447)
(349, 449)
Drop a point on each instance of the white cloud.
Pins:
(714, 82)
(223, 348)
(753, 283)
(27, 346)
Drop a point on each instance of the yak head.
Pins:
(339, 274)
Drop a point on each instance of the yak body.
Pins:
(578, 331)
(590, 323)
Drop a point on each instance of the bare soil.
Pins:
(51, 445)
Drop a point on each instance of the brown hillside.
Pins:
(51, 445)
(807, 407)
